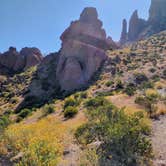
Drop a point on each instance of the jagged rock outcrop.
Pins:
(140, 29)
(13, 61)
(123, 38)
(136, 25)
(83, 51)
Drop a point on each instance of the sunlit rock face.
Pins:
(83, 50)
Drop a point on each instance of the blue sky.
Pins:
(40, 23)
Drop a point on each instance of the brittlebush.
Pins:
(39, 142)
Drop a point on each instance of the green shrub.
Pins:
(95, 102)
(149, 101)
(156, 78)
(4, 122)
(48, 109)
(70, 102)
(152, 70)
(123, 138)
(130, 90)
(24, 113)
(164, 73)
(70, 112)
(146, 85)
(109, 83)
(83, 95)
(119, 84)
(140, 78)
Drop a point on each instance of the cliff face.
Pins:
(13, 61)
(136, 25)
(139, 28)
(84, 44)
(157, 15)
(157, 10)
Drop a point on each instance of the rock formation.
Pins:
(157, 15)
(123, 38)
(139, 28)
(136, 25)
(13, 61)
(83, 51)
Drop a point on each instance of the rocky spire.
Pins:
(123, 38)
(136, 26)
(83, 50)
(133, 26)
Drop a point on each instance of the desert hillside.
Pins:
(95, 102)
(131, 82)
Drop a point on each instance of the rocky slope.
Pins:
(12, 61)
(83, 51)
(126, 74)
(140, 29)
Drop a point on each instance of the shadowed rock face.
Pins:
(123, 38)
(140, 29)
(136, 25)
(13, 61)
(83, 49)
(157, 10)
(157, 16)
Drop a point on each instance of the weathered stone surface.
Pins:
(13, 61)
(32, 56)
(83, 50)
(78, 62)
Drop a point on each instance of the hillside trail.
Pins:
(159, 141)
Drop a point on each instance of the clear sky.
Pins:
(40, 23)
